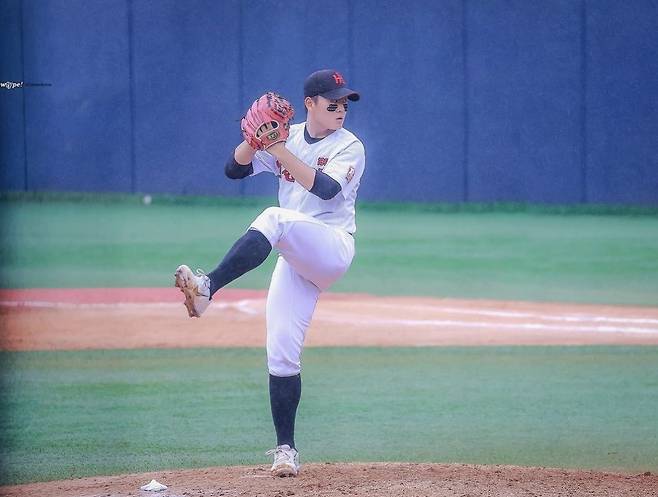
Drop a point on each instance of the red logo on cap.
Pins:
(338, 78)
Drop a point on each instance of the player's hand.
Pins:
(267, 121)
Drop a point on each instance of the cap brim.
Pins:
(339, 93)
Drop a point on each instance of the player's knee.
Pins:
(283, 356)
(283, 366)
(271, 213)
(267, 223)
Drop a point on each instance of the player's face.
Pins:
(329, 114)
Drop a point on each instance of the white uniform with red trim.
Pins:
(313, 237)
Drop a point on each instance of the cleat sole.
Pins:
(182, 283)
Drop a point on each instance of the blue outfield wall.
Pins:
(524, 102)
(550, 101)
(12, 120)
(77, 132)
(185, 88)
(622, 102)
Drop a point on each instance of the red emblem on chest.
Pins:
(322, 161)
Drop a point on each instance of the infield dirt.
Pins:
(62, 319)
(359, 480)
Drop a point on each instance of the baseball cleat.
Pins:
(195, 287)
(286, 461)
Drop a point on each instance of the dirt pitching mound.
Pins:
(365, 479)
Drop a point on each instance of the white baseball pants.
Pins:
(312, 256)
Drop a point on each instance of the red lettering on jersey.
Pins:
(322, 161)
(338, 78)
(350, 174)
(284, 172)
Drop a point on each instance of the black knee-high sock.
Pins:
(249, 252)
(285, 393)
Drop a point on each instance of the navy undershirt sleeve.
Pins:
(234, 170)
(324, 186)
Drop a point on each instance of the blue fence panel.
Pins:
(12, 123)
(408, 65)
(77, 130)
(524, 79)
(622, 102)
(186, 94)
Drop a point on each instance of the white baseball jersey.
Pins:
(340, 155)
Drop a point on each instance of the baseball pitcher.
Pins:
(319, 165)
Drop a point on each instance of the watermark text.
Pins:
(12, 85)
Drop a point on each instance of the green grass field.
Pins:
(70, 414)
(538, 255)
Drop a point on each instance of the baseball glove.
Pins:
(267, 121)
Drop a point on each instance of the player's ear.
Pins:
(308, 103)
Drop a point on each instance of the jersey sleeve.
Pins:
(347, 167)
(264, 163)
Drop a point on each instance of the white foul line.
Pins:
(514, 314)
(483, 325)
(241, 305)
(246, 306)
